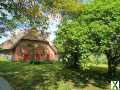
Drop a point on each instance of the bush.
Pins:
(39, 62)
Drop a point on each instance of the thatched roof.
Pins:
(30, 34)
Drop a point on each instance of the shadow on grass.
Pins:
(83, 78)
(24, 76)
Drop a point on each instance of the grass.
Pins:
(25, 76)
(3, 58)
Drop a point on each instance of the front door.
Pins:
(26, 54)
(37, 54)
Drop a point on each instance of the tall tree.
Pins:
(97, 28)
(33, 12)
(103, 23)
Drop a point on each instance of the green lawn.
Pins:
(24, 76)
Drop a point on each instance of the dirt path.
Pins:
(4, 85)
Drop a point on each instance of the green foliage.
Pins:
(68, 43)
(71, 31)
(40, 62)
(34, 12)
(97, 59)
(72, 53)
(102, 20)
(97, 29)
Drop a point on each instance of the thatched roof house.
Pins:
(27, 45)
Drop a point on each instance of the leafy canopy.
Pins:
(34, 12)
(97, 28)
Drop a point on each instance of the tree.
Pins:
(69, 43)
(103, 23)
(97, 28)
(33, 12)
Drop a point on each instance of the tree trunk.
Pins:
(111, 64)
(110, 69)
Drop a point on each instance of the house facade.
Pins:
(29, 45)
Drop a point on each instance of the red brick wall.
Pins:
(37, 50)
